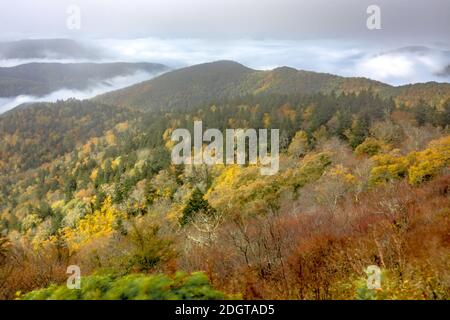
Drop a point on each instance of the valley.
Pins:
(363, 180)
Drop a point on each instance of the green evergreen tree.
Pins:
(195, 204)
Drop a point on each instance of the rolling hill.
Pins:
(199, 84)
(433, 93)
(204, 83)
(185, 87)
(93, 184)
(39, 79)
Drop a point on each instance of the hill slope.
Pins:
(91, 184)
(184, 87)
(204, 83)
(433, 93)
(199, 84)
(39, 79)
(38, 133)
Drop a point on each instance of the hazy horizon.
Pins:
(233, 19)
(412, 46)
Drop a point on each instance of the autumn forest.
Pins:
(364, 180)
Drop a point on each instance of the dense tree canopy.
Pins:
(360, 173)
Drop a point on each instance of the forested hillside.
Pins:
(206, 83)
(431, 93)
(35, 134)
(363, 180)
(39, 79)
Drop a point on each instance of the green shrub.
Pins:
(370, 147)
(181, 286)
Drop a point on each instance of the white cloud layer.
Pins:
(395, 65)
(389, 64)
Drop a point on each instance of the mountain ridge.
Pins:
(203, 83)
(39, 79)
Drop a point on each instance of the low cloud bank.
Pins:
(393, 65)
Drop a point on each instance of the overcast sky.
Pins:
(280, 19)
(330, 36)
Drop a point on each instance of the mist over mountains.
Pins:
(94, 89)
(40, 79)
(203, 84)
(54, 69)
(314, 139)
(397, 64)
(40, 69)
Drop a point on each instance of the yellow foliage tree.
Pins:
(299, 145)
(371, 147)
(429, 162)
(418, 166)
(388, 167)
(99, 224)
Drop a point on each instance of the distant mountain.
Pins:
(204, 83)
(184, 88)
(47, 49)
(39, 79)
